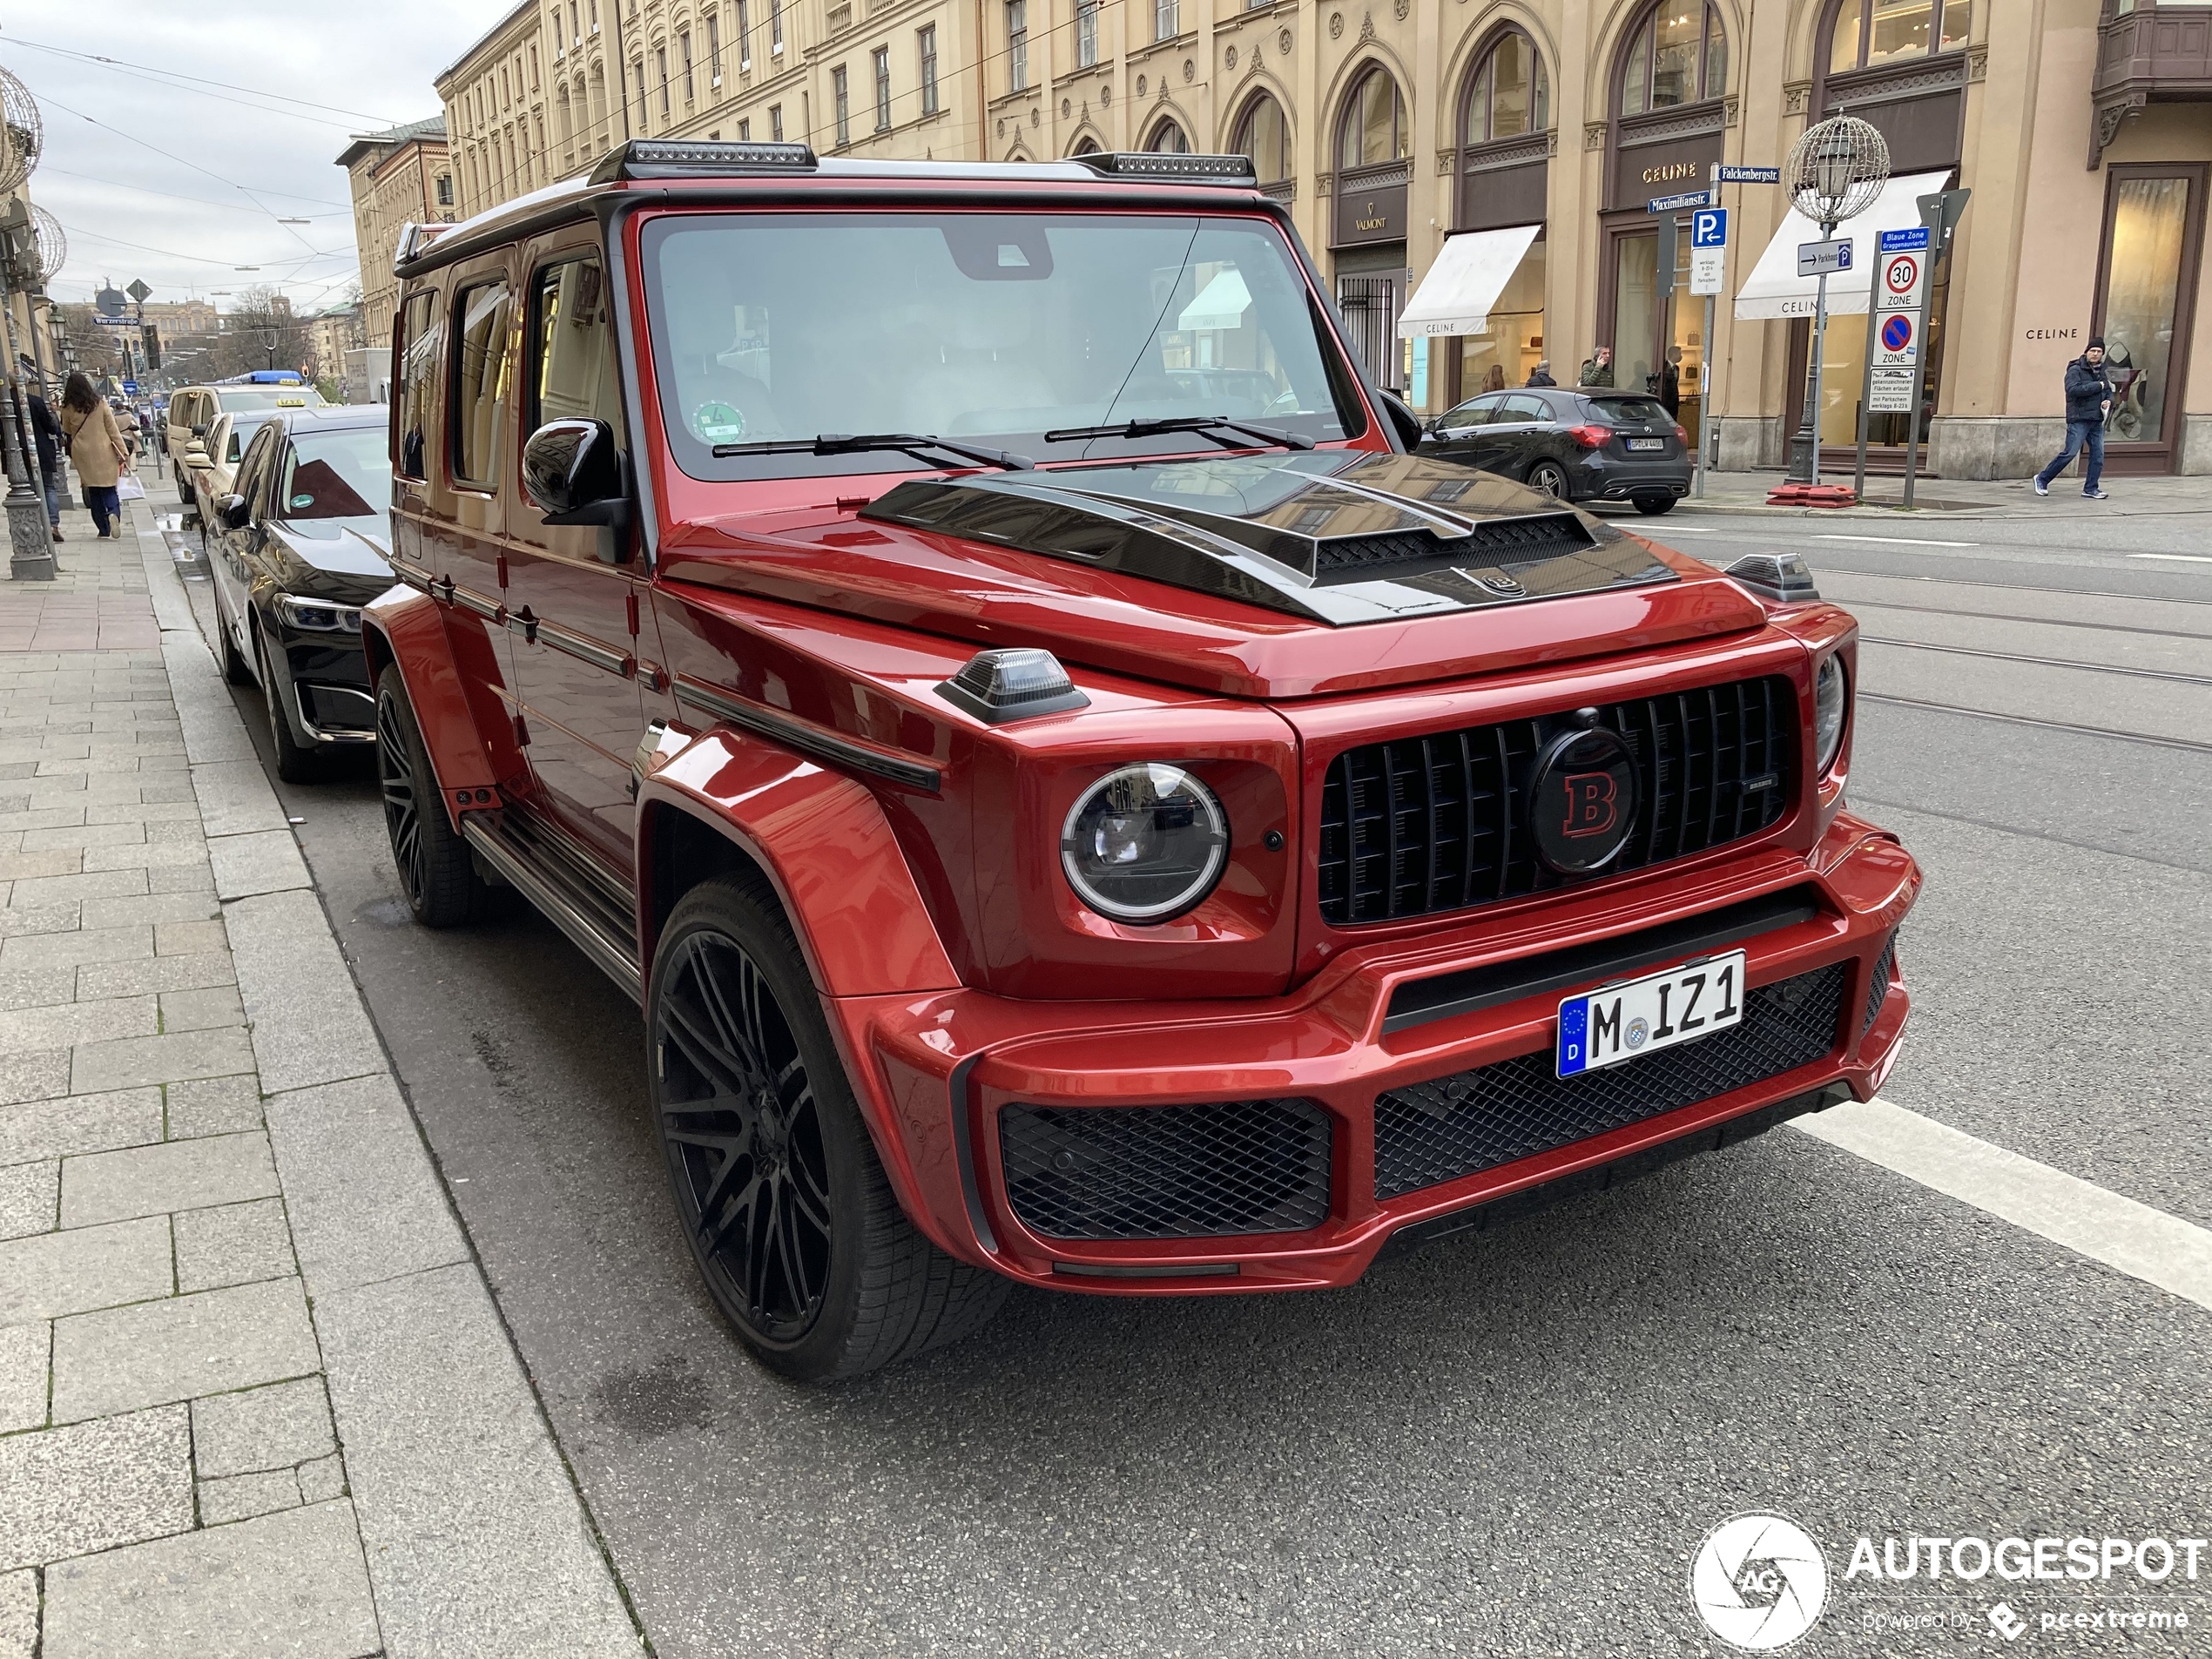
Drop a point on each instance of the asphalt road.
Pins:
(1508, 1445)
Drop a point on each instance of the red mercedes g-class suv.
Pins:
(1078, 801)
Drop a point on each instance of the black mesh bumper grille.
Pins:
(1439, 823)
(1431, 1132)
(1878, 988)
(1247, 1166)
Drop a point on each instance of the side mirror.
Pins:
(234, 514)
(200, 431)
(1403, 418)
(573, 473)
(196, 455)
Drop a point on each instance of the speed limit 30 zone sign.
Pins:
(1901, 274)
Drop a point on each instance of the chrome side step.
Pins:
(574, 914)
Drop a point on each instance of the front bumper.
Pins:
(935, 1073)
(327, 693)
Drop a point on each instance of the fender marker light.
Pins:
(1783, 578)
(1001, 686)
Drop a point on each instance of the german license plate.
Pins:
(1640, 1016)
(1647, 443)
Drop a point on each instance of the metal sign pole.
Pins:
(1705, 362)
(1819, 351)
(1938, 212)
(1866, 388)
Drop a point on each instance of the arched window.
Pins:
(1167, 139)
(1510, 94)
(1677, 55)
(1374, 123)
(1085, 147)
(1863, 34)
(1266, 137)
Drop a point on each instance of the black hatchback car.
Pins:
(295, 550)
(1580, 444)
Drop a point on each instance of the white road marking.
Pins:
(2132, 1238)
(1890, 541)
(2178, 559)
(1689, 530)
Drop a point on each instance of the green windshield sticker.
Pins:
(716, 422)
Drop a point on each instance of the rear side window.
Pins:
(1631, 411)
(574, 376)
(480, 382)
(420, 356)
(1525, 407)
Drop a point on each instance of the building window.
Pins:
(684, 50)
(714, 47)
(660, 62)
(576, 23)
(926, 39)
(1163, 20)
(1018, 44)
(1374, 123)
(744, 132)
(841, 104)
(1677, 55)
(1167, 139)
(1086, 33)
(1266, 137)
(883, 88)
(637, 68)
(445, 190)
(775, 27)
(775, 124)
(1510, 94)
(1861, 36)
(745, 34)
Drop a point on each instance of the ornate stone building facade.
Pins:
(399, 177)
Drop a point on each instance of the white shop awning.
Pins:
(1221, 304)
(1774, 288)
(1469, 274)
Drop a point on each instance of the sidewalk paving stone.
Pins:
(289, 1584)
(266, 861)
(236, 1243)
(278, 1426)
(49, 1275)
(23, 1352)
(241, 1497)
(310, 1026)
(27, 1198)
(37, 1075)
(214, 1106)
(364, 1201)
(73, 1023)
(205, 1008)
(158, 1180)
(86, 1487)
(190, 971)
(57, 952)
(191, 905)
(55, 1128)
(98, 1066)
(19, 1615)
(154, 1352)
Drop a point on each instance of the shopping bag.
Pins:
(127, 488)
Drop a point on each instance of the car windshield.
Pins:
(1631, 411)
(337, 474)
(993, 329)
(270, 397)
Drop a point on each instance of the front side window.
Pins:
(993, 330)
(1086, 33)
(1677, 55)
(883, 88)
(1374, 123)
(1510, 95)
(335, 474)
(926, 39)
(253, 471)
(1018, 44)
(479, 401)
(573, 377)
(1266, 137)
(420, 355)
(1862, 35)
(842, 105)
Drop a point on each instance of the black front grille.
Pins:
(1878, 988)
(1439, 823)
(1246, 1166)
(1431, 1132)
(1494, 541)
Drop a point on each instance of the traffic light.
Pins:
(150, 345)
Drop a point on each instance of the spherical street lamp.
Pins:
(1834, 172)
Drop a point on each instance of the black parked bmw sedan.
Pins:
(1580, 444)
(296, 550)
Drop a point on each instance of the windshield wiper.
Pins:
(848, 443)
(1212, 425)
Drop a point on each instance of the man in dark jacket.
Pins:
(1542, 374)
(47, 433)
(2088, 400)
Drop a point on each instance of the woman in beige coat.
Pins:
(96, 449)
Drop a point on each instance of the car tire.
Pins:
(786, 1206)
(438, 876)
(295, 763)
(184, 490)
(1655, 505)
(236, 670)
(1550, 478)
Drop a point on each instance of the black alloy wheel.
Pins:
(437, 877)
(783, 1201)
(1551, 478)
(296, 763)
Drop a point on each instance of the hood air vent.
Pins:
(1501, 541)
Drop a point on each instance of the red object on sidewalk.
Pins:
(1813, 495)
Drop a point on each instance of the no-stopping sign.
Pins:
(1901, 276)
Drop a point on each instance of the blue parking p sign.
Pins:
(1709, 227)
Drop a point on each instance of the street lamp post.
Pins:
(1833, 174)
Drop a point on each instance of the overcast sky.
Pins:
(237, 160)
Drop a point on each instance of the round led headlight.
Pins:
(1144, 843)
(1830, 701)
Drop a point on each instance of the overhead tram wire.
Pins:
(182, 82)
(338, 209)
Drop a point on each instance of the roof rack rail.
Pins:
(1170, 168)
(415, 237)
(698, 158)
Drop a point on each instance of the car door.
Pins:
(1459, 433)
(1531, 431)
(230, 551)
(576, 656)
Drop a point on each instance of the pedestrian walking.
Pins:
(97, 451)
(2088, 401)
(1597, 367)
(1542, 374)
(1670, 383)
(46, 435)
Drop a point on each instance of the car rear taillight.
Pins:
(1682, 437)
(1590, 437)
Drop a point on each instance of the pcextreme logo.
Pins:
(1759, 1581)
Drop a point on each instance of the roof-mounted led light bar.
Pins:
(414, 237)
(1170, 168)
(699, 158)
